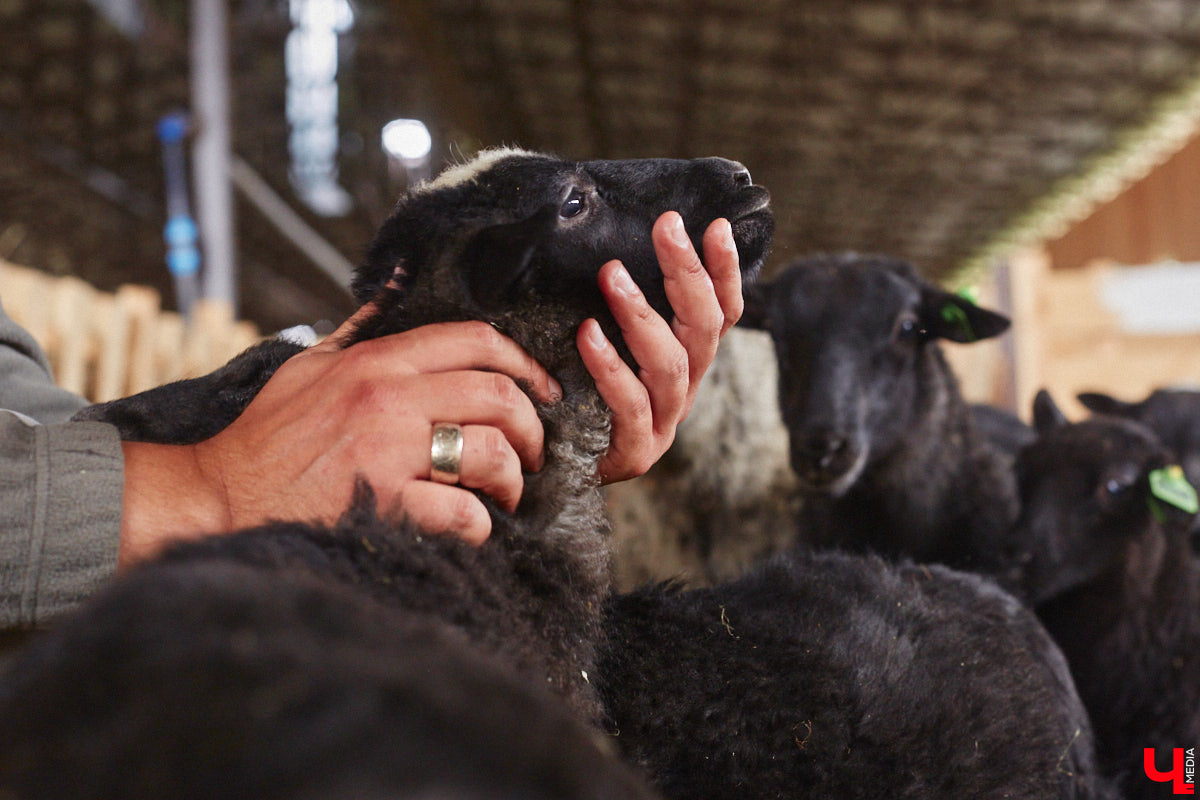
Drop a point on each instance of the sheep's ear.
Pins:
(496, 262)
(1105, 404)
(757, 298)
(956, 318)
(1046, 414)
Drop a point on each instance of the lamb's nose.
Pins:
(735, 169)
(822, 447)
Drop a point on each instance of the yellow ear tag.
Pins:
(1169, 485)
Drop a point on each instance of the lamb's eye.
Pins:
(1117, 483)
(908, 329)
(574, 204)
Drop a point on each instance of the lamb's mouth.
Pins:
(752, 228)
(832, 480)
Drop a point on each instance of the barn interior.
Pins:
(1031, 150)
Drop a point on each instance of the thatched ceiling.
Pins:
(919, 128)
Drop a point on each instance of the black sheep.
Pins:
(834, 675)
(1103, 546)
(514, 239)
(1173, 415)
(886, 450)
(212, 676)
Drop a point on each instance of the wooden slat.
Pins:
(105, 345)
(70, 344)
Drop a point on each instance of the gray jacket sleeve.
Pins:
(26, 384)
(60, 490)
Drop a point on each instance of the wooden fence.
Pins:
(1066, 340)
(104, 345)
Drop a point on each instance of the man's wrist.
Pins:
(167, 498)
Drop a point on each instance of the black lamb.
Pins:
(513, 238)
(886, 450)
(840, 676)
(1173, 415)
(1103, 546)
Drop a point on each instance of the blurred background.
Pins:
(231, 158)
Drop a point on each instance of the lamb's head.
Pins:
(1173, 414)
(518, 238)
(1098, 497)
(855, 338)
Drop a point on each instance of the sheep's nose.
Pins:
(735, 169)
(821, 448)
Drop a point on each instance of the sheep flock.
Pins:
(903, 596)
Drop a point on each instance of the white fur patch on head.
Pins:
(464, 173)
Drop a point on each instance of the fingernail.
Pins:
(623, 282)
(727, 234)
(596, 335)
(678, 232)
(556, 390)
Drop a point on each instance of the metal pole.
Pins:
(291, 225)
(183, 259)
(212, 147)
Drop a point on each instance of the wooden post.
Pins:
(142, 306)
(1027, 271)
(110, 326)
(70, 340)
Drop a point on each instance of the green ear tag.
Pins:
(970, 294)
(957, 317)
(1169, 485)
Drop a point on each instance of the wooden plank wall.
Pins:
(1155, 219)
(1064, 339)
(105, 345)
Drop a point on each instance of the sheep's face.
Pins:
(1087, 506)
(1174, 414)
(515, 230)
(850, 336)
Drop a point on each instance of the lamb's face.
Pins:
(1173, 414)
(849, 334)
(1087, 505)
(513, 225)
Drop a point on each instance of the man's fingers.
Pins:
(721, 259)
(635, 443)
(699, 318)
(454, 346)
(490, 465)
(662, 359)
(442, 509)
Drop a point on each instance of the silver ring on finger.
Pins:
(445, 454)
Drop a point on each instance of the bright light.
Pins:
(407, 139)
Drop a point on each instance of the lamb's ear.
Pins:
(1046, 414)
(496, 262)
(1105, 404)
(757, 298)
(956, 318)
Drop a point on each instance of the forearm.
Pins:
(60, 516)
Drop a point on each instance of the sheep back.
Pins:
(836, 676)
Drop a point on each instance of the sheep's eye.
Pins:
(1117, 483)
(908, 329)
(574, 204)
